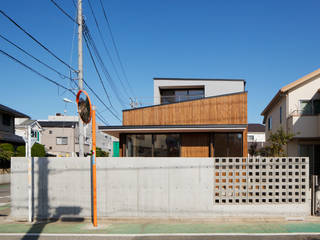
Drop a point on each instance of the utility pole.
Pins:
(80, 74)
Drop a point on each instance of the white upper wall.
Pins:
(212, 87)
(306, 91)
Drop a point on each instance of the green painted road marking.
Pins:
(161, 228)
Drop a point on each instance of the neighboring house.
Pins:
(22, 125)
(105, 141)
(60, 136)
(7, 126)
(295, 109)
(190, 118)
(256, 135)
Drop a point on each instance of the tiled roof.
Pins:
(256, 127)
(12, 112)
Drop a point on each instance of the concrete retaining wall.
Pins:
(130, 187)
(4, 178)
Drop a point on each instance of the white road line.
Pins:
(5, 196)
(155, 235)
(3, 204)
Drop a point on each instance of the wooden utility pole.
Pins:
(80, 75)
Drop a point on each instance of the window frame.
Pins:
(62, 142)
(269, 123)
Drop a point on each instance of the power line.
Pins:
(102, 118)
(38, 42)
(64, 12)
(36, 72)
(115, 47)
(96, 95)
(38, 60)
(106, 49)
(95, 66)
(104, 69)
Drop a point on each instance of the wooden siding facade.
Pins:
(228, 109)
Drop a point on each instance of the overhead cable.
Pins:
(97, 96)
(102, 65)
(38, 60)
(64, 12)
(95, 66)
(38, 42)
(106, 49)
(115, 47)
(36, 72)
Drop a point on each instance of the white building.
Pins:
(256, 135)
(296, 109)
(167, 90)
(21, 128)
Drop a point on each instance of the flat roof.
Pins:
(61, 124)
(115, 130)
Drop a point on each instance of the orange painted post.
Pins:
(94, 169)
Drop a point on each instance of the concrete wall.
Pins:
(130, 187)
(211, 88)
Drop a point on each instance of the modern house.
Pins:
(256, 135)
(295, 108)
(7, 125)
(189, 118)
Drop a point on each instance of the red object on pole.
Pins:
(94, 168)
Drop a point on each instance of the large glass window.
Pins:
(139, 145)
(310, 107)
(166, 145)
(228, 144)
(152, 145)
(178, 95)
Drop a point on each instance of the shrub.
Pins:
(21, 151)
(101, 153)
(38, 150)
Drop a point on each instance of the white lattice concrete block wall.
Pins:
(261, 180)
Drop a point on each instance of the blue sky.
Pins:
(267, 43)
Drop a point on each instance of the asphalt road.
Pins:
(161, 237)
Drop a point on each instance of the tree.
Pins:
(253, 149)
(20, 151)
(101, 153)
(277, 141)
(38, 150)
(6, 152)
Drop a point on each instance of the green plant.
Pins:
(6, 152)
(101, 153)
(38, 150)
(277, 141)
(253, 149)
(20, 151)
